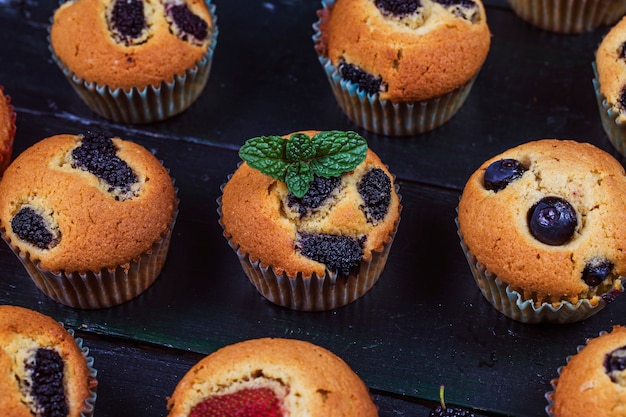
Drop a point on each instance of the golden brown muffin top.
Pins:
(83, 37)
(496, 229)
(420, 55)
(22, 332)
(586, 385)
(7, 130)
(310, 380)
(94, 225)
(257, 217)
(611, 68)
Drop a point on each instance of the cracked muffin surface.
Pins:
(282, 377)
(43, 371)
(85, 202)
(547, 218)
(406, 50)
(125, 44)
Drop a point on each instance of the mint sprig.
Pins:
(296, 160)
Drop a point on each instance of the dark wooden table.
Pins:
(425, 323)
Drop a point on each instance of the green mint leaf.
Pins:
(299, 178)
(266, 154)
(337, 152)
(300, 148)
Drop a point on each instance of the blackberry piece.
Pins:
(375, 190)
(622, 51)
(443, 411)
(127, 20)
(367, 82)
(501, 173)
(552, 221)
(187, 23)
(31, 227)
(465, 9)
(615, 363)
(46, 385)
(340, 253)
(398, 8)
(621, 100)
(320, 189)
(97, 155)
(596, 271)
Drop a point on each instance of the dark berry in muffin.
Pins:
(127, 21)
(367, 82)
(596, 271)
(320, 189)
(185, 24)
(30, 226)
(375, 189)
(97, 155)
(552, 220)
(615, 364)
(501, 173)
(45, 385)
(341, 253)
(398, 8)
(465, 9)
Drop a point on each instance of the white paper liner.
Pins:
(568, 16)
(104, 288)
(312, 293)
(90, 401)
(615, 129)
(150, 104)
(511, 303)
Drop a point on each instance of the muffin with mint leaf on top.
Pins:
(312, 216)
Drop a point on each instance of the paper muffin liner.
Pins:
(386, 117)
(568, 16)
(312, 292)
(104, 288)
(5, 157)
(90, 401)
(615, 129)
(148, 104)
(512, 304)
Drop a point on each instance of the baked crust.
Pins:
(254, 218)
(494, 225)
(583, 387)
(97, 231)
(23, 329)
(319, 383)
(7, 130)
(420, 63)
(81, 39)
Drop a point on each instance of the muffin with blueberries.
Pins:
(569, 16)
(271, 377)
(44, 370)
(544, 230)
(135, 61)
(592, 381)
(610, 84)
(312, 216)
(401, 67)
(7, 130)
(90, 217)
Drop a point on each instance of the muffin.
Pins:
(7, 130)
(271, 377)
(610, 84)
(569, 16)
(135, 61)
(44, 370)
(401, 67)
(543, 228)
(592, 382)
(89, 216)
(317, 248)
